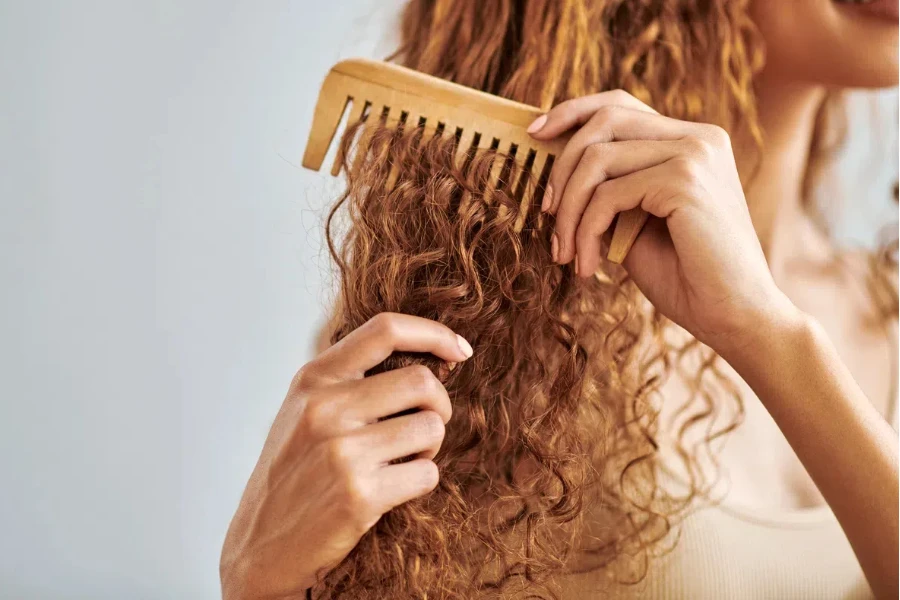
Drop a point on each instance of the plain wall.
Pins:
(162, 273)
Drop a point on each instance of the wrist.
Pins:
(764, 328)
(252, 581)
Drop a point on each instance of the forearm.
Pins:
(843, 442)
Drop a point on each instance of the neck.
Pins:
(787, 114)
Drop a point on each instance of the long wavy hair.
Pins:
(549, 462)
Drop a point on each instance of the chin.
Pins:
(836, 43)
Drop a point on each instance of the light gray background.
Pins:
(161, 270)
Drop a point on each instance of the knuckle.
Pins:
(718, 135)
(431, 425)
(360, 502)
(340, 456)
(422, 380)
(685, 168)
(620, 95)
(384, 325)
(304, 377)
(357, 492)
(430, 476)
(606, 113)
(314, 415)
(698, 147)
(601, 193)
(595, 153)
(688, 178)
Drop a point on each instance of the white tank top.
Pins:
(727, 553)
(735, 553)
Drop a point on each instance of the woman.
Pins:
(730, 256)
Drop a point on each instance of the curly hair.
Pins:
(555, 415)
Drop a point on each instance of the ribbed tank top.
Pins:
(727, 553)
(738, 553)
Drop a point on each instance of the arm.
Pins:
(700, 263)
(848, 449)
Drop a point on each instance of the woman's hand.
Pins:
(699, 261)
(324, 477)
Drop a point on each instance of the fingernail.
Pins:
(554, 247)
(576, 264)
(537, 124)
(548, 198)
(464, 345)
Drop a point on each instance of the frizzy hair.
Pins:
(555, 415)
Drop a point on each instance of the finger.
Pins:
(578, 111)
(348, 405)
(418, 434)
(599, 163)
(650, 189)
(383, 334)
(379, 396)
(405, 481)
(611, 123)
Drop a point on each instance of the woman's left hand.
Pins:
(699, 260)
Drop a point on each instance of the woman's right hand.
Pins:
(324, 477)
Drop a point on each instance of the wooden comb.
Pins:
(481, 120)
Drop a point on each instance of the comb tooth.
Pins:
(411, 122)
(484, 143)
(362, 146)
(392, 118)
(524, 185)
(330, 106)
(462, 149)
(431, 130)
(497, 167)
(494, 184)
(356, 115)
(497, 164)
(529, 179)
(466, 145)
(325, 124)
(537, 169)
(628, 227)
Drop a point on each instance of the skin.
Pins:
(323, 478)
(743, 271)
